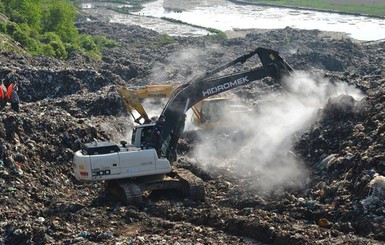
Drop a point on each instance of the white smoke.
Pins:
(261, 146)
(180, 67)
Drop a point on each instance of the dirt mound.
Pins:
(66, 103)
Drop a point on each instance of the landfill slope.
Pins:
(67, 103)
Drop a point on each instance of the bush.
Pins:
(49, 37)
(166, 39)
(48, 50)
(87, 42)
(94, 54)
(3, 27)
(59, 17)
(103, 42)
(59, 50)
(72, 47)
(48, 27)
(11, 27)
(34, 47)
(25, 28)
(2, 7)
(17, 17)
(20, 37)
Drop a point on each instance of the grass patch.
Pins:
(367, 8)
(166, 39)
(216, 32)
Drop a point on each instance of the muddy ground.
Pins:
(67, 103)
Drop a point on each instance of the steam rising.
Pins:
(179, 67)
(260, 148)
(259, 145)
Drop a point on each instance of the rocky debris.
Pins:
(66, 103)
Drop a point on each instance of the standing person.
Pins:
(3, 96)
(13, 96)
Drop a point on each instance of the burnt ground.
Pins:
(66, 103)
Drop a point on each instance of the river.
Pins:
(227, 16)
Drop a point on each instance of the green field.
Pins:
(368, 7)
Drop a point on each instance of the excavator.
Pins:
(145, 165)
(207, 113)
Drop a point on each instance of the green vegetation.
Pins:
(47, 27)
(353, 6)
(218, 33)
(166, 39)
(6, 43)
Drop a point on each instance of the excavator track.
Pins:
(127, 191)
(133, 194)
(193, 187)
(131, 191)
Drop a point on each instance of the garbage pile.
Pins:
(67, 103)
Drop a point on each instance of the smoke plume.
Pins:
(260, 143)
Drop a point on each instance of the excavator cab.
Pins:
(142, 136)
(214, 112)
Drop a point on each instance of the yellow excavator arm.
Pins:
(207, 113)
(132, 98)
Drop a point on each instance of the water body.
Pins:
(101, 11)
(227, 16)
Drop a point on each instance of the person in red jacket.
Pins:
(13, 96)
(3, 96)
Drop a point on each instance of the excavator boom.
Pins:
(132, 98)
(187, 95)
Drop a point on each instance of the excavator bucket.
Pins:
(132, 104)
(132, 98)
(272, 61)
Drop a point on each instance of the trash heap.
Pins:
(67, 103)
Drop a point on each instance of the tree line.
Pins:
(47, 27)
